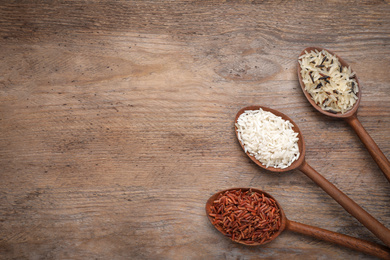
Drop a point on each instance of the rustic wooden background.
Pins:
(116, 124)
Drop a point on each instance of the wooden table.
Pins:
(116, 124)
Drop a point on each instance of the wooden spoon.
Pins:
(351, 118)
(319, 233)
(348, 204)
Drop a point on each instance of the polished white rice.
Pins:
(269, 138)
(331, 86)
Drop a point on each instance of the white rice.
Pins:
(269, 138)
(337, 93)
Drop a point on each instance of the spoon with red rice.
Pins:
(348, 204)
(349, 116)
(253, 217)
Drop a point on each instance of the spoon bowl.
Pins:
(283, 218)
(319, 233)
(348, 204)
(343, 63)
(301, 144)
(350, 117)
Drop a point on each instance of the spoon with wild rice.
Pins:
(253, 217)
(332, 88)
(265, 136)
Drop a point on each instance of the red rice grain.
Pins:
(246, 216)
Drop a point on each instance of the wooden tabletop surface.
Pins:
(116, 124)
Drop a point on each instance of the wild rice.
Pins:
(332, 86)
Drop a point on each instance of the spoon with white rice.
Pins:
(331, 87)
(274, 142)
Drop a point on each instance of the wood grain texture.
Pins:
(116, 124)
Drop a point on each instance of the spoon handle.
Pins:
(370, 144)
(340, 239)
(348, 204)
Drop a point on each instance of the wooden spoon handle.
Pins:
(349, 205)
(340, 239)
(370, 144)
